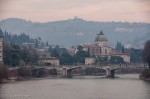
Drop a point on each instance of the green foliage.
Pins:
(24, 71)
(16, 39)
(146, 73)
(80, 56)
(1, 33)
(102, 60)
(146, 52)
(119, 47)
(112, 60)
(13, 55)
(136, 55)
(80, 48)
(66, 59)
(36, 43)
(116, 60)
(3, 73)
(25, 56)
(82, 53)
(78, 59)
(56, 51)
(47, 43)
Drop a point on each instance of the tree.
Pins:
(7, 50)
(80, 48)
(119, 47)
(102, 60)
(14, 55)
(36, 44)
(116, 60)
(146, 52)
(80, 56)
(136, 55)
(1, 33)
(33, 57)
(47, 43)
(66, 59)
(55, 53)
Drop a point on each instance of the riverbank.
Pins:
(145, 75)
(25, 73)
(29, 79)
(146, 79)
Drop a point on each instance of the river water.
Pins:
(82, 87)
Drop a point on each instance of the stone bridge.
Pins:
(110, 69)
(66, 71)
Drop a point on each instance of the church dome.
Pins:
(101, 37)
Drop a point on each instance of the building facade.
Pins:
(46, 59)
(49, 62)
(101, 48)
(89, 61)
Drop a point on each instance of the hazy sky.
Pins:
(97, 10)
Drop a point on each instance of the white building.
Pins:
(89, 61)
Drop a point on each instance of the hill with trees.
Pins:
(76, 31)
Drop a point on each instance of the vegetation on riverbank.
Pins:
(3, 74)
(23, 73)
(145, 75)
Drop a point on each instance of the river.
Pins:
(128, 86)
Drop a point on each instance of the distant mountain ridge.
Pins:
(76, 31)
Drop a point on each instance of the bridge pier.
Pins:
(110, 73)
(67, 73)
(35, 73)
(64, 73)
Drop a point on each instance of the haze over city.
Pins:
(95, 10)
(74, 49)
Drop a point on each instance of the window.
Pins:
(105, 51)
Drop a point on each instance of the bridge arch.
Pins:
(89, 70)
(95, 71)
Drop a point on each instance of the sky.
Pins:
(94, 10)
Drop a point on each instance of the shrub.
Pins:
(24, 71)
(146, 73)
(3, 74)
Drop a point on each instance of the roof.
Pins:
(101, 37)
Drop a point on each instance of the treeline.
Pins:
(15, 56)
(79, 58)
(14, 38)
(67, 59)
(135, 54)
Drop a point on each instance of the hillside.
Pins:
(75, 31)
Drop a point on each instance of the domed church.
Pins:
(101, 48)
(101, 39)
